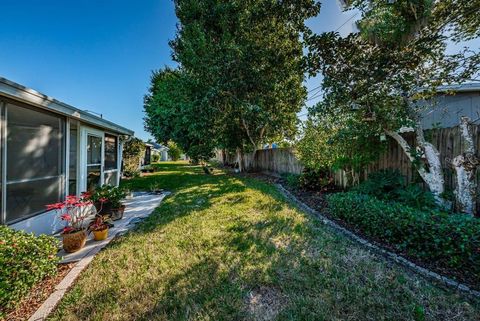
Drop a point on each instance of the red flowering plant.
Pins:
(73, 211)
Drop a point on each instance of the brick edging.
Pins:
(448, 282)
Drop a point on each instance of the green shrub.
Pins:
(382, 184)
(174, 152)
(292, 180)
(316, 180)
(447, 240)
(389, 184)
(25, 260)
(155, 158)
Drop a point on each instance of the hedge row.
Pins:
(25, 260)
(447, 240)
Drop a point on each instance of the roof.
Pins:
(156, 145)
(16, 91)
(469, 87)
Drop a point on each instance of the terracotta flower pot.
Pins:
(72, 242)
(117, 213)
(100, 235)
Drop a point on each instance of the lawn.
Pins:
(228, 248)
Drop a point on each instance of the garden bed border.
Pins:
(443, 280)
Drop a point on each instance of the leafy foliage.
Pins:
(316, 180)
(446, 240)
(113, 195)
(174, 151)
(327, 144)
(175, 111)
(390, 185)
(133, 151)
(378, 80)
(382, 184)
(240, 77)
(25, 260)
(292, 180)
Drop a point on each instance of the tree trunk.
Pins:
(433, 175)
(240, 160)
(465, 166)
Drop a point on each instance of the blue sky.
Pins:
(98, 55)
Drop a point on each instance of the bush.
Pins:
(447, 240)
(316, 180)
(133, 151)
(292, 180)
(155, 158)
(383, 184)
(174, 151)
(25, 260)
(389, 184)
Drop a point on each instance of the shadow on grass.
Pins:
(254, 248)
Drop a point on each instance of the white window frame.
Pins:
(85, 131)
(117, 169)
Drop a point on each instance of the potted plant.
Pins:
(73, 211)
(100, 200)
(107, 200)
(99, 227)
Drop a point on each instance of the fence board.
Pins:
(448, 141)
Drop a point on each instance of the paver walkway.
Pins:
(138, 207)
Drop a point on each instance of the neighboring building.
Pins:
(451, 103)
(160, 150)
(49, 150)
(155, 149)
(147, 158)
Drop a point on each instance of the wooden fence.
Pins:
(277, 160)
(449, 142)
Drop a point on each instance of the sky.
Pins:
(98, 55)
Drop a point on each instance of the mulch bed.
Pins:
(38, 295)
(316, 200)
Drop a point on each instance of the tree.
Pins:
(175, 110)
(383, 76)
(174, 151)
(246, 59)
(330, 142)
(133, 151)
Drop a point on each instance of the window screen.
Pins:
(34, 161)
(111, 152)
(73, 160)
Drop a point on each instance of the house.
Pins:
(50, 150)
(450, 103)
(161, 151)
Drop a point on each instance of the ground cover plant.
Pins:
(225, 247)
(447, 242)
(25, 260)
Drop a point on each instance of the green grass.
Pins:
(225, 248)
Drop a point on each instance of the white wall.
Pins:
(47, 223)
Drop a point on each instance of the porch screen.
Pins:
(35, 158)
(111, 151)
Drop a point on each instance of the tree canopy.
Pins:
(380, 79)
(240, 77)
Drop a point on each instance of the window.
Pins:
(35, 155)
(73, 160)
(111, 152)
(2, 149)
(94, 161)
